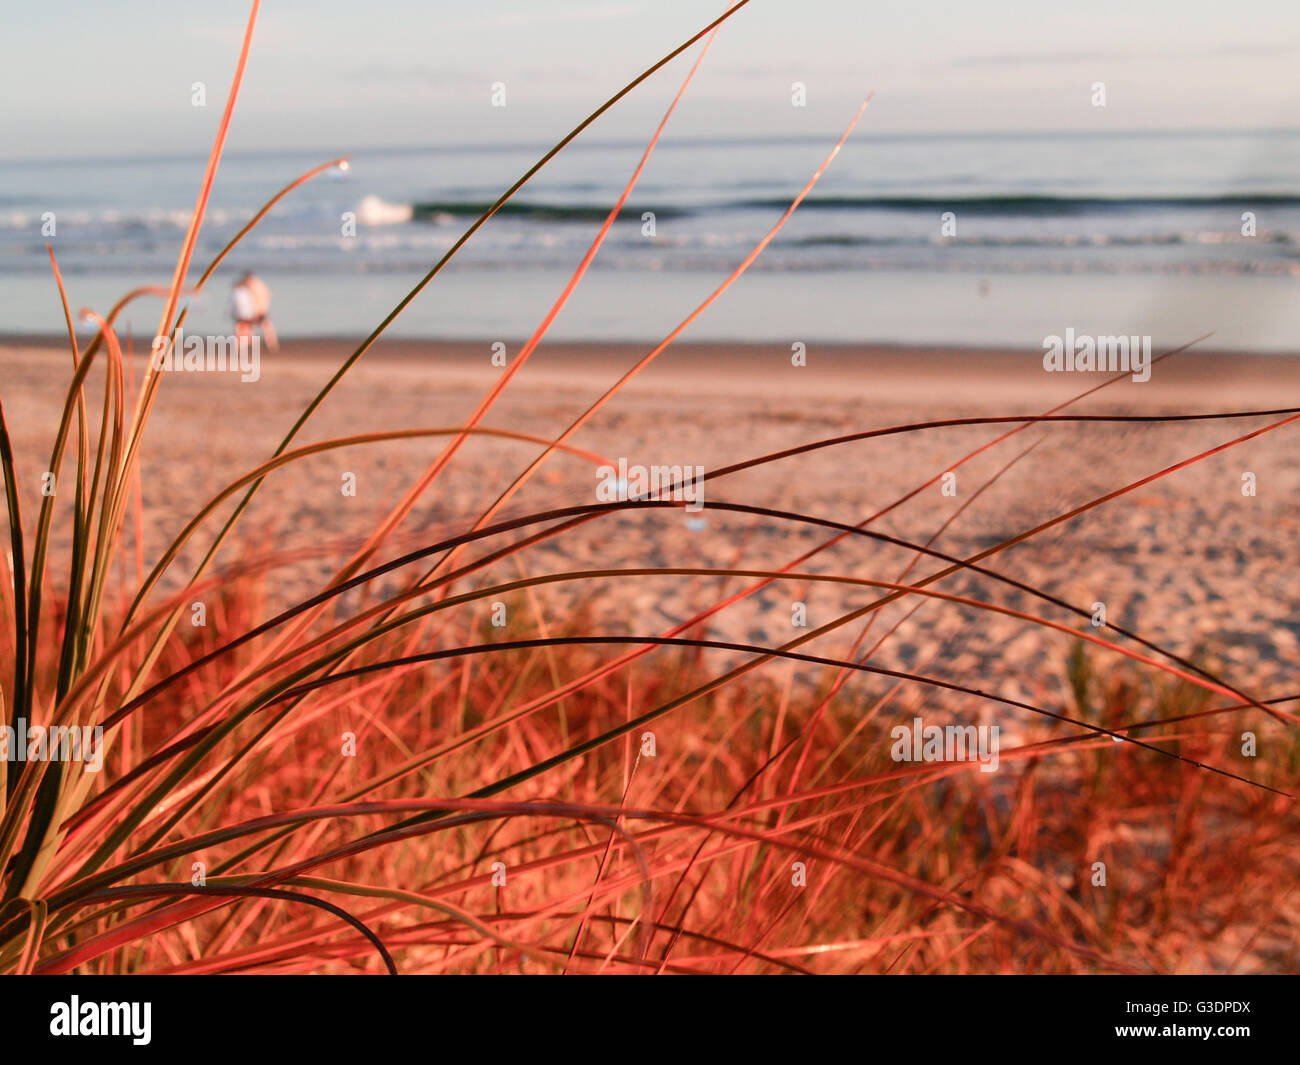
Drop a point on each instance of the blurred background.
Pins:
(1172, 210)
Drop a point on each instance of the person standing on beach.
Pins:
(250, 301)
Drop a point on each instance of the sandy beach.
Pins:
(1187, 560)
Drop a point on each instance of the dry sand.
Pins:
(1188, 560)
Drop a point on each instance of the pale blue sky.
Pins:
(91, 78)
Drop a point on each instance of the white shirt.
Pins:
(245, 306)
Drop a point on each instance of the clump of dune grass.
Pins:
(383, 783)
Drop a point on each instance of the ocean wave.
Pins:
(447, 210)
(146, 219)
(375, 212)
(1064, 240)
(1011, 205)
(372, 211)
(1023, 204)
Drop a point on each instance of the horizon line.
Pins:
(631, 142)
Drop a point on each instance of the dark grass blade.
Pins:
(20, 698)
(281, 894)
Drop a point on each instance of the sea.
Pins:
(957, 239)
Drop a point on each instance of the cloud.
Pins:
(412, 75)
(538, 16)
(1024, 59)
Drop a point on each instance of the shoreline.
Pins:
(938, 376)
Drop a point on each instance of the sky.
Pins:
(88, 78)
